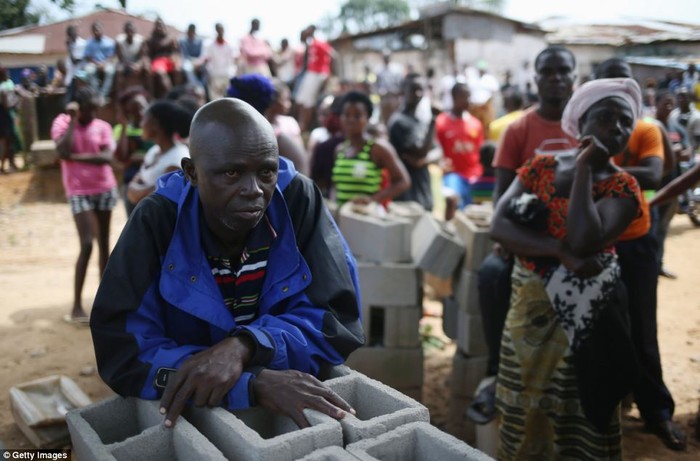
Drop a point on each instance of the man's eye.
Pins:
(231, 173)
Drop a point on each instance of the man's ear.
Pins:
(189, 170)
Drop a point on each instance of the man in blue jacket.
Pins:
(233, 275)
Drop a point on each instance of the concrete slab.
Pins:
(417, 441)
(379, 407)
(396, 367)
(434, 248)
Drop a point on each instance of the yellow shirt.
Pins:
(498, 126)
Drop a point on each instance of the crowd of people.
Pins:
(230, 272)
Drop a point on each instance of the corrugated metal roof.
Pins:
(623, 31)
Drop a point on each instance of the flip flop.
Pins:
(78, 321)
(483, 409)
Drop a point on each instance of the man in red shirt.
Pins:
(318, 69)
(460, 134)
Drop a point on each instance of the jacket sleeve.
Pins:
(322, 324)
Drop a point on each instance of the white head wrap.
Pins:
(591, 92)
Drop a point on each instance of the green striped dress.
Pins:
(358, 175)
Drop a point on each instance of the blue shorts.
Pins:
(455, 185)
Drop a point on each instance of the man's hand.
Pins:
(206, 377)
(290, 392)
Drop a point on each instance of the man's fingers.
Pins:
(337, 400)
(171, 389)
(217, 396)
(178, 404)
(299, 418)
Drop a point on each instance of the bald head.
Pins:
(613, 68)
(229, 120)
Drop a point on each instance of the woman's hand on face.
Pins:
(591, 150)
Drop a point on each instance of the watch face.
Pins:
(162, 376)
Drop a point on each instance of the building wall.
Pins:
(589, 56)
(500, 56)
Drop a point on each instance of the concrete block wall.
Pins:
(399, 368)
(474, 233)
(470, 334)
(435, 248)
(377, 239)
(466, 291)
(418, 441)
(127, 429)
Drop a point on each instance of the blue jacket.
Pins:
(158, 302)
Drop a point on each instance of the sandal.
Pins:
(77, 321)
(672, 436)
(483, 409)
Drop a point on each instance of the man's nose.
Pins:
(251, 187)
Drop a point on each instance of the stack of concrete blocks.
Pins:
(132, 429)
(391, 294)
(462, 320)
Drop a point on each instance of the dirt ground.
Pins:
(38, 248)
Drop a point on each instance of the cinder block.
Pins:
(487, 437)
(467, 291)
(417, 441)
(470, 334)
(379, 408)
(457, 422)
(390, 284)
(391, 326)
(95, 427)
(475, 235)
(257, 434)
(380, 239)
(128, 429)
(467, 373)
(329, 454)
(434, 248)
(159, 443)
(399, 368)
(412, 211)
(449, 316)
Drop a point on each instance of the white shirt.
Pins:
(156, 164)
(221, 59)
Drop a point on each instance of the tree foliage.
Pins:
(365, 15)
(18, 13)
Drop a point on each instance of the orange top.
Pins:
(646, 141)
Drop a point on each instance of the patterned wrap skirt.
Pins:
(537, 392)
